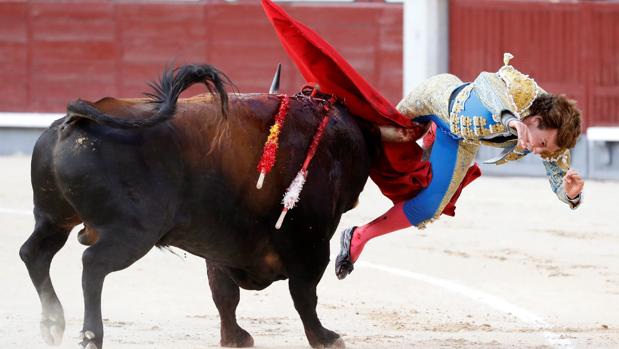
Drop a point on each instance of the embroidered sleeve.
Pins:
(555, 176)
(506, 118)
(494, 95)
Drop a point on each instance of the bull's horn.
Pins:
(275, 84)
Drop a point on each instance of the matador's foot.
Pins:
(343, 262)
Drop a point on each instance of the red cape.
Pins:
(400, 173)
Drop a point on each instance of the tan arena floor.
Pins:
(514, 269)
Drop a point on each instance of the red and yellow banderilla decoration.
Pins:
(269, 153)
(294, 190)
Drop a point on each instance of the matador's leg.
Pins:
(450, 159)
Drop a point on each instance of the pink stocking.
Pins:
(392, 220)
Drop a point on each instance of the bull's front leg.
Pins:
(226, 296)
(302, 287)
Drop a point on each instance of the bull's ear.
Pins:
(275, 84)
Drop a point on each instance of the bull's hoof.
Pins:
(237, 339)
(343, 262)
(87, 338)
(52, 330)
(331, 340)
(338, 344)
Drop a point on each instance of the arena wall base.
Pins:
(603, 152)
(20, 131)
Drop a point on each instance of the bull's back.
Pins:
(224, 155)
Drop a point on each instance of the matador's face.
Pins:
(541, 141)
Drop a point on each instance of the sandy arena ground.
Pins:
(515, 269)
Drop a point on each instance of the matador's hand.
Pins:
(573, 184)
(524, 140)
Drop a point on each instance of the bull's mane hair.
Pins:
(165, 96)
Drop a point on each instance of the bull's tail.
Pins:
(165, 96)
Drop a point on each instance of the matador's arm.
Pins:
(556, 168)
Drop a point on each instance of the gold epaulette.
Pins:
(522, 89)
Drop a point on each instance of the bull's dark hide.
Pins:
(153, 172)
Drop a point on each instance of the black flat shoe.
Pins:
(343, 262)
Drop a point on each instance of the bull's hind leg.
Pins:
(304, 277)
(116, 249)
(37, 253)
(226, 297)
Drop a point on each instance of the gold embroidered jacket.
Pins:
(477, 116)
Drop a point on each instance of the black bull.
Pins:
(162, 172)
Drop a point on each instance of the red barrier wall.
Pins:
(55, 52)
(570, 48)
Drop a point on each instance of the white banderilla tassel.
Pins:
(292, 196)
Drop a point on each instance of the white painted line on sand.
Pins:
(557, 340)
(16, 212)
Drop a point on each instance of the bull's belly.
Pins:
(251, 265)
